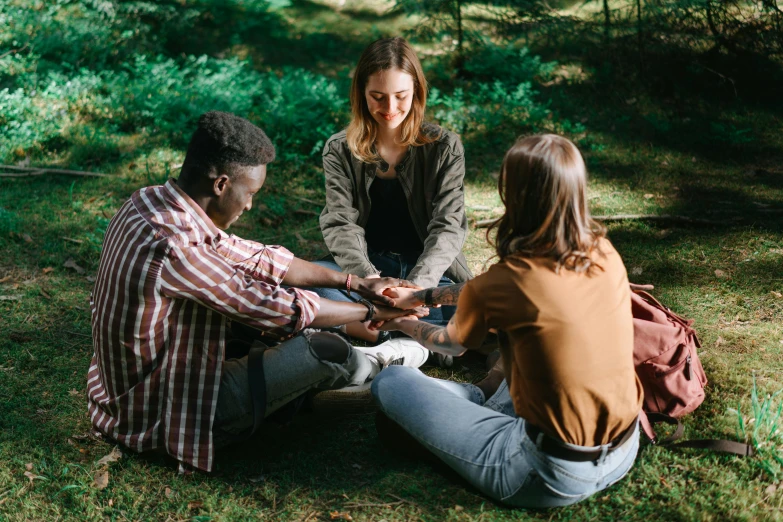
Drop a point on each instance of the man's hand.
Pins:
(374, 288)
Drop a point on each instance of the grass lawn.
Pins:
(655, 144)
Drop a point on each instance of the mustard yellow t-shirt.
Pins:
(569, 355)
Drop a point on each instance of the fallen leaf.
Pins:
(114, 456)
(72, 264)
(5, 279)
(27, 238)
(111, 502)
(458, 508)
(777, 294)
(336, 515)
(637, 270)
(720, 273)
(719, 341)
(91, 279)
(47, 270)
(770, 490)
(195, 505)
(29, 466)
(167, 492)
(45, 294)
(11, 297)
(75, 393)
(33, 476)
(101, 478)
(649, 196)
(663, 233)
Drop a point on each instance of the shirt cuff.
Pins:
(309, 303)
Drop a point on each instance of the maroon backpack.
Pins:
(667, 363)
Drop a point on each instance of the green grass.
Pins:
(673, 142)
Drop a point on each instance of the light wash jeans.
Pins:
(486, 443)
(290, 369)
(390, 265)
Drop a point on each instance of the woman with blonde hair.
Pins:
(559, 421)
(394, 184)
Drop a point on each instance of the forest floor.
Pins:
(654, 145)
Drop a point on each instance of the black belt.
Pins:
(555, 448)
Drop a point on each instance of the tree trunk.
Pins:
(639, 34)
(460, 51)
(607, 21)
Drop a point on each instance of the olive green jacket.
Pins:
(431, 176)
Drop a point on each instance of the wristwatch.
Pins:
(370, 309)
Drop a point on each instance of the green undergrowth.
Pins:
(115, 87)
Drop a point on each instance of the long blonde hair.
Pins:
(382, 55)
(543, 185)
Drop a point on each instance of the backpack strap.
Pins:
(649, 419)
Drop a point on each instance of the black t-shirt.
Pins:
(390, 227)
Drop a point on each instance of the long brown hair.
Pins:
(382, 55)
(543, 185)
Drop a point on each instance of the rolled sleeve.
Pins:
(268, 263)
(200, 274)
(308, 303)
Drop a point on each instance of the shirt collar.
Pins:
(193, 208)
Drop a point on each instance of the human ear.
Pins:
(220, 184)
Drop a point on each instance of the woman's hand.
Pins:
(403, 297)
(386, 313)
(392, 324)
(375, 288)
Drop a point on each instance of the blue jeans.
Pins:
(486, 443)
(390, 265)
(291, 369)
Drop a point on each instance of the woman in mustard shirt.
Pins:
(560, 421)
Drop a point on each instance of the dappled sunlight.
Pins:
(666, 128)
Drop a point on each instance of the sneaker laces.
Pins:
(385, 361)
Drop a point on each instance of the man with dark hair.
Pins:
(170, 286)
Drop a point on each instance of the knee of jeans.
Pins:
(384, 382)
(330, 347)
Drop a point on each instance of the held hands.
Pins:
(392, 324)
(376, 288)
(403, 297)
(387, 313)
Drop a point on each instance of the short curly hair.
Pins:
(222, 142)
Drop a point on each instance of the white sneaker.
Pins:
(402, 351)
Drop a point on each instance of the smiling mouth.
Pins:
(389, 117)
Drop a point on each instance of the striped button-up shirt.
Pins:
(168, 281)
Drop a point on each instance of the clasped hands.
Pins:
(397, 298)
